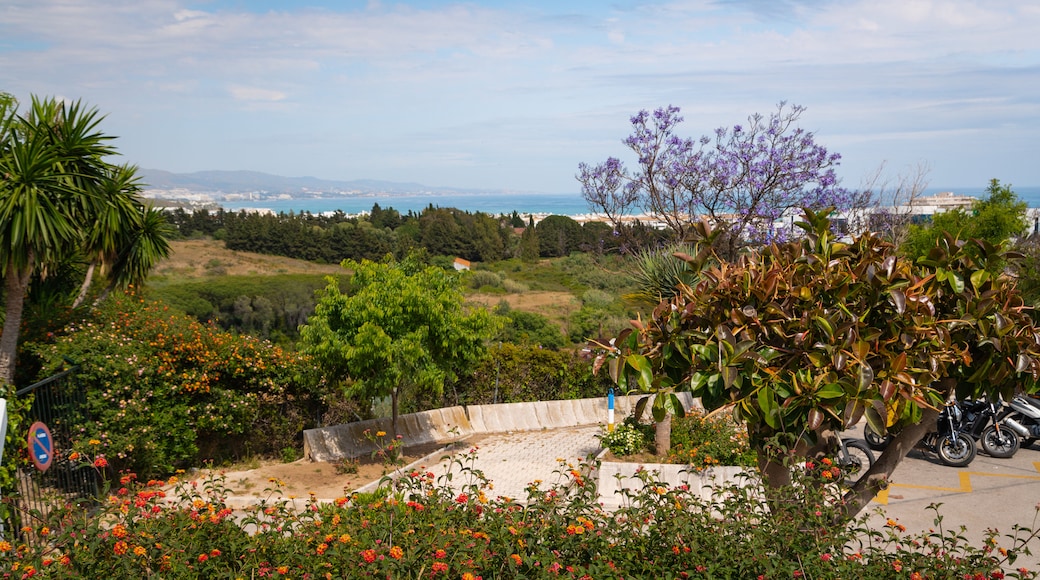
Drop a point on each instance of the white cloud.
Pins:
(255, 94)
(489, 79)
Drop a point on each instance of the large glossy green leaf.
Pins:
(644, 368)
(767, 402)
(830, 391)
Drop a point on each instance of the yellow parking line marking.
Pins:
(965, 483)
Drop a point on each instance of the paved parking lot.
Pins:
(988, 493)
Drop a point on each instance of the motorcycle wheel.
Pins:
(955, 452)
(875, 440)
(855, 461)
(1003, 444)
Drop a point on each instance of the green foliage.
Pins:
(558, 236)
(266, 306)
(815, 334)
(402, 327)
(165, 391)
(415, 527)
(659, 272)
(530, 328)
(480, 278)
(702, 442)
(513, 373)
(996, 218)
(601, 314)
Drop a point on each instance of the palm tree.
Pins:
(126, 238)
(59, 197)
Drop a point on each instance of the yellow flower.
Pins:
(380, 433)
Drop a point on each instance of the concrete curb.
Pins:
(452, 424)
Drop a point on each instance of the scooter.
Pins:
(1023, 416)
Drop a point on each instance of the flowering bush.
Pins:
(625, 439)
(419, 526)
(701, 441)
(159, 385)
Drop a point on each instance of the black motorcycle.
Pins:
(951, 441)
(983, 421)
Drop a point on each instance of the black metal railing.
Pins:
(59, 402)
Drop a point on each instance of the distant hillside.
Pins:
(251, 181)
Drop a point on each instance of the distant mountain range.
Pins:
(255, 181)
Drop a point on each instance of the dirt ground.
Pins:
(198, 258)
(326, 480)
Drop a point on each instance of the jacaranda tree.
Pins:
(401, 327)
(744, 179)
(807, 337)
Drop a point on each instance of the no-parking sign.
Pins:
(41, 446)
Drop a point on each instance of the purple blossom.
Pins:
(744, 180)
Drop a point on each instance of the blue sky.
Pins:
(515, 94)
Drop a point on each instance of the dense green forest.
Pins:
(335, 237)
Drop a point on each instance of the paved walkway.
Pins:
(512, 461)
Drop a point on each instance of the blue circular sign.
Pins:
(41, 446)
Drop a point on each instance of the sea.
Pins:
(569, 204)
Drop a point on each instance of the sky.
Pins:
(514, 95)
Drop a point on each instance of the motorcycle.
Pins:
(983, 420)
(951, 441)
(1023, 416)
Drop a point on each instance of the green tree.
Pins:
(807, 337)
(558, 235)
(402, 327)
(529, 247)
(60, 198)
(996, 218)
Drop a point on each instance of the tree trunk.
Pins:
(15, 284)
(86, 285)
(663, 435)
(877, 477)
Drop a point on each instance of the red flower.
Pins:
(439, 567)
(368, 555)
(100, 463)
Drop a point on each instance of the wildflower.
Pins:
(94, 442)
(120, 548)
(380, 433)
(214, 553)
(203, 557)
(396, 552)
(283, 570)
(516, 559)
(322, 547)
(826, 556)
(368, 555)
(119, 531)
(440, 554)
(5, 546)
(140, 551)
(100, 463)
(439, 567)
(468, 576)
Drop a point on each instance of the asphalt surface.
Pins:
(989, 493)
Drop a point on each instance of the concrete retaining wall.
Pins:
(455, 423)
(614, 479)
(349, 440)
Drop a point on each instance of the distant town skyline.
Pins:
(513, 95)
